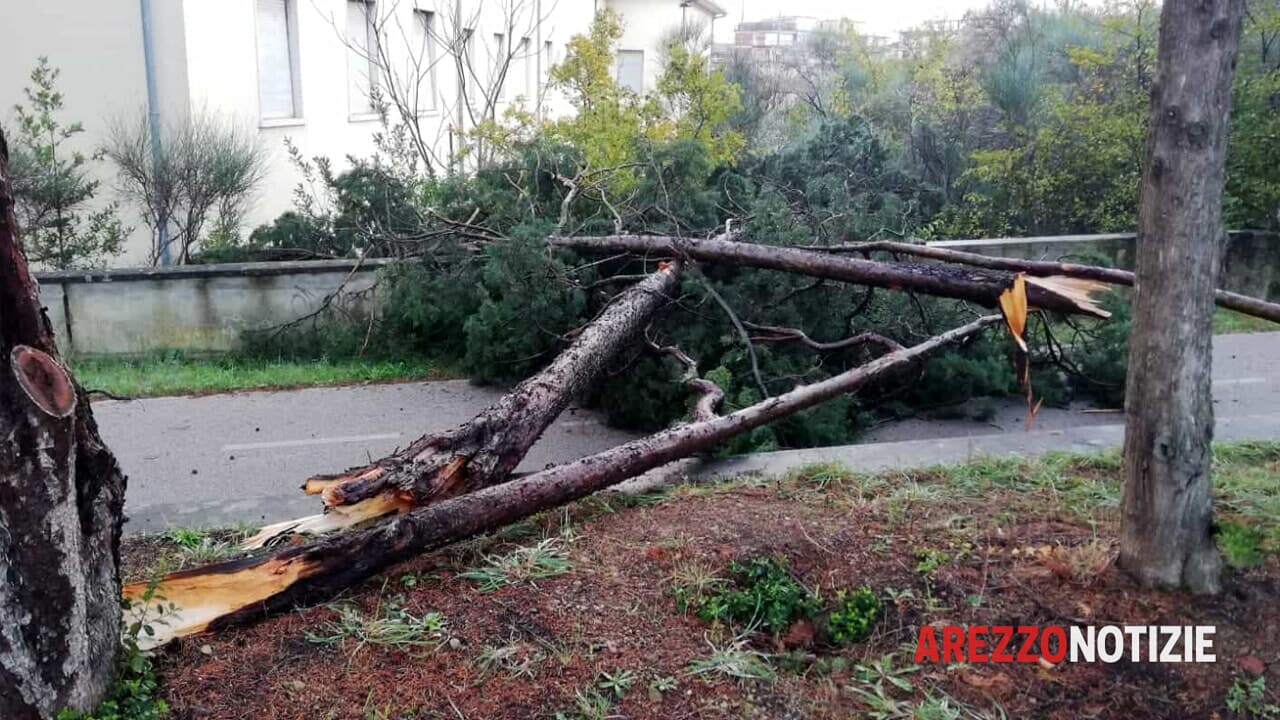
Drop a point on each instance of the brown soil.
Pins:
(1008, 559)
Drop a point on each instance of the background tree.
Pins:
(207, 172)
(1166, 534)
(51, 186)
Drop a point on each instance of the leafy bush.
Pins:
(852, 615)
(762, 593)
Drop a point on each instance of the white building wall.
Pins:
(647, 24)
(97, 47)
(206, 59)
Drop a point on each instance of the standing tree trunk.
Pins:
(61, 502)
(1166, 528)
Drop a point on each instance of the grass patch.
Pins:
(1229, 322)
(1246, 485)
(548, 558)
(388, 626)
(176, 374)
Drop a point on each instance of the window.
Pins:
(521, 69)
(631, 70)
(468, 58)
(425, 60)
(362, 70)
(547, 50)
(277, 60)
(498, 73)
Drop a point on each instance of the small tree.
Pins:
(207, 171)
(51, 184)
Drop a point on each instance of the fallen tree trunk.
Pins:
(983, 287)
(241, 591)
(486, 449)
(1042, 268)
(61, 506)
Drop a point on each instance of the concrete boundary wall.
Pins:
(206, 308)
(195, 308)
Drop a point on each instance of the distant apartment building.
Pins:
(309, 70)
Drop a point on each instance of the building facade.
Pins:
(313, 71)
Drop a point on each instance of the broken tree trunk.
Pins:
(486, 449)
(61, 503)
(240, 591)
(1256, 307)
(1166, 521)
(980, 286)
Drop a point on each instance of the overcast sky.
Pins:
(878, 17)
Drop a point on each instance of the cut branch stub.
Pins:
(44, 381)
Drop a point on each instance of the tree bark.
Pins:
(981, 286)
(1166, 524)
(486, 449)
(61, 503)
(230, 593)
(1256, 307)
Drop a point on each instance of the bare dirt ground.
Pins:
(601, 636)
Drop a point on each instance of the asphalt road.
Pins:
(226, 459)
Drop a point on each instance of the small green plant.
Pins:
(691, 583)
(514, 659)
(135, 694)
(764, 594)
(548, 558)
(1240, 544)
(928, 559)
(664, 684)
(734, 660)
(616, 683)
(853, 615)
(588, 705)
(1249, 699)
(185, 538)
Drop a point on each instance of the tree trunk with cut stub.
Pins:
(61, 502)
(1167, 519)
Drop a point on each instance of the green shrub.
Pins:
(852, 615)
(762, 593)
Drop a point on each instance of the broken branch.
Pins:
(983, 287)
(1042, 268)
(240, 591)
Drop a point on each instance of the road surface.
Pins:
(226, 459)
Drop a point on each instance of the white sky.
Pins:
(877, 17)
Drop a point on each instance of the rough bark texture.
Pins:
(486, 449)
(61, 501)
(981, 286)
(1166, 525)
(1256, 307)
(242, 591)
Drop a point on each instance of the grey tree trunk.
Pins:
(1166, 527)
(61, 503)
